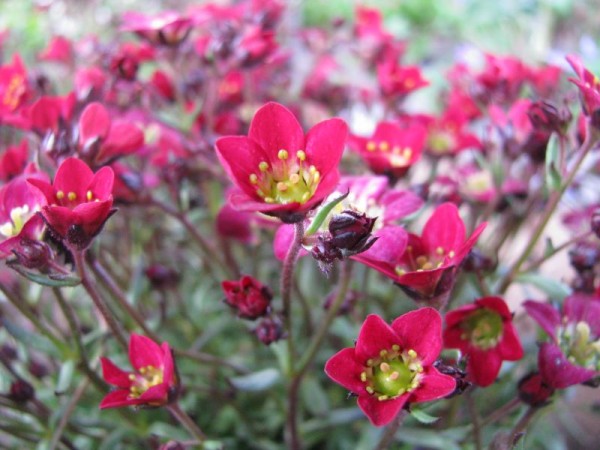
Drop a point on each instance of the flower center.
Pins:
(14, 91)
(398, 156)
(393, 373)
(18, 217)
(441, 142)
(70, 199)
(423, 262)
(483, 329)
(148, 376)
(579, 345)
(287, 180)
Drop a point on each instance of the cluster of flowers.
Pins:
(206, 112)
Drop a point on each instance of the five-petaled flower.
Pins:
(79, 202)
(392, 366)
(425, 267)
(152, 383)
(483, 330)
(573, 354)
(279, 171)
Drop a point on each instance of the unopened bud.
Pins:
(545, 116)
(534, 391)
(248, 296)
(162, 277)
(21, 391)
(270, 330)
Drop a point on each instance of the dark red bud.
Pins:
(270, 330)
(21, 391)
(162, 277)
(534, 391)
(248, 296)
(545, 116)
(459, 375)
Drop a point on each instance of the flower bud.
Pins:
(545, 116)
(460, 376)
(584, 256)
(270, 330)
(21, 391)
(162, 277)
(248, 296)
(534, 391)
(33, 254)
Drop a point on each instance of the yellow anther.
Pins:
(312, 170)
(89, 196)
(396, 347)
(400, 272)
(370, 362)
(421, 260)
(316, 177)
(385, 367)
(363, 376)
(263, 166)
(142, 370)
(305, 197)
(60, 195)
(281, 186)
(269, 200)
(253, 178)
(301, 155)
(427, 266)
(294, 178)
(132, 377)
(369, 389)
(384, 146)
(381, 398)
(72, 196)
(400, 392)
(394, 376)
(383, 353)
(439, 251)
(412, 353)
(371, 146)
(407, 153)
(451, 253)
(282, 154)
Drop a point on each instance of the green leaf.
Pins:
(422, 416)
(553, 178)
(323, 214)
(30, 340)
(257, 381)
(314, 397)
(550, 286)
(53, 280)
(65, 376)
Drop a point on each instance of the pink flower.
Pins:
(589, 89)
(428, 267)
(79, 201)
(484, 332)
(152, 383)
(573, 355)
(248, 296)
(392, 366)
(13, 86)
(279, 171)
(392, 150)
(398, 81)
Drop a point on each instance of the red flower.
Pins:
(428, 267)
(153, 381)
(103, 139)
(391, 150)
(13, 86)
(391, 366)
(166, 28)
(79, 201)
(484, 332)
(589, 89)
(248, 296)
(573, 355)
(396, 80)
(279, 171)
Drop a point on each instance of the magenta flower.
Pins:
(483, 331)
(79, 201)
(589, 89)
(425, 267)
(392, 366)
(279, 171)
(573, 354)
(392, 150)
(152, 383)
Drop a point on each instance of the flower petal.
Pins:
(421, 331)
(94, 123)
(556, 369)
(433, 386)
(381, 413)
(483, 366)
(545, 315)
(325, 143)
(116, 399)
(273, 128)
(375, 335)
(444, 229)
(73, 175)
(114, 375)
(143, 352)
(344, 369)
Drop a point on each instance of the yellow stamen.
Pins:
(60, 195)
(72, 196)
(263, 166)
(301, 155)
(282, 154)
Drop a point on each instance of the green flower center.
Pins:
(147, 377)
(288, 180)
(441, 142)
(392, 374)
(579, 345)
(483, 329)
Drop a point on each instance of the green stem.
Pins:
(522, 425)
(390, 432)
(186, 421)
(553, 202)
(476, 420)
(90, 287)
(534, 265)
(66, 413)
